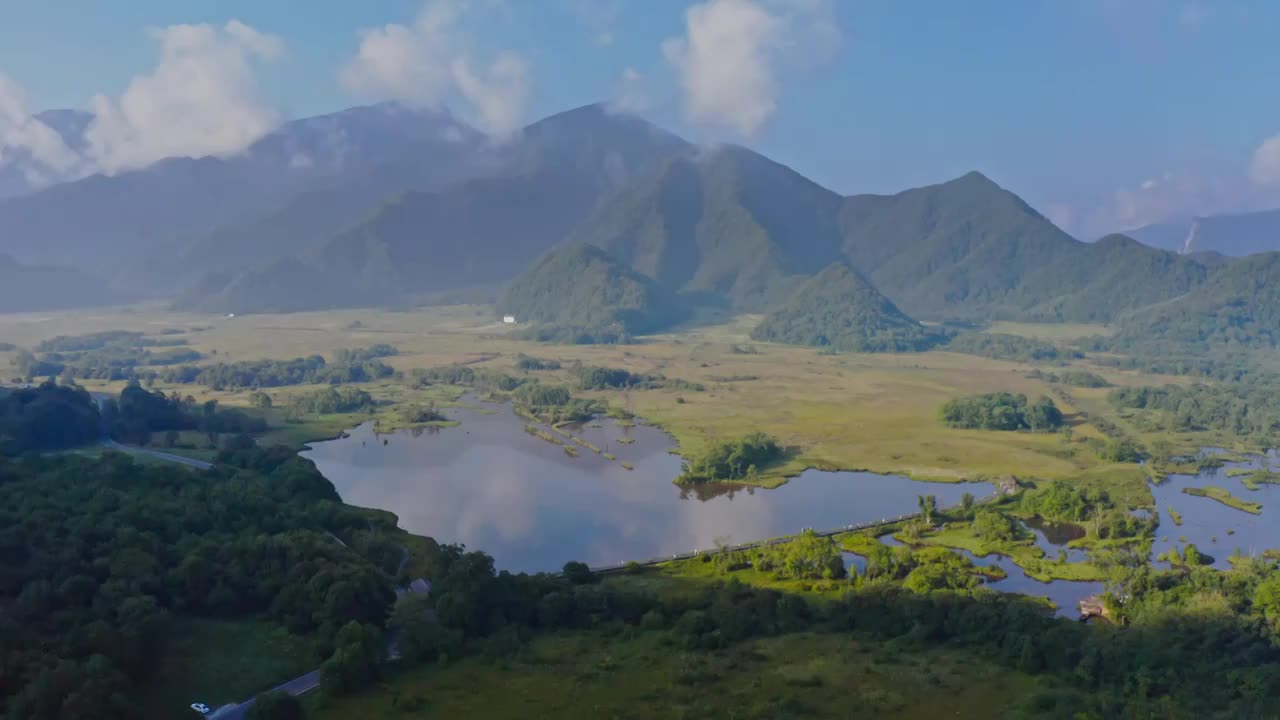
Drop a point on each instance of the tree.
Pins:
(966, 504)
(421, 637)
(355, 662)
(578, 573)
(275, 705)
(928, 505)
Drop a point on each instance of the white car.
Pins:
(201, 708)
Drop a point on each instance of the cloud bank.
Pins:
(430, 62)
(202, 98)
(733, 52)
(37, 149)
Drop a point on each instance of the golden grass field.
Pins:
(876, 412)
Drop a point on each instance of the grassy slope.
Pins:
(217, 662)
(578, 675)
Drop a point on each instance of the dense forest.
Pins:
(48, 417)
(1008, 347)
(246, 374)
(100, 555)
(107, 355)
(579, 294)
(1002, 411)
(839, 309)
(139, 412)
(1245, 408)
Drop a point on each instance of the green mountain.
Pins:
(726, 224)
(1237, 307)
(960, 248)
(580, 293)
(284, 285)
(483, 232)
(838, 308)
(1106, 278)
(971, 249)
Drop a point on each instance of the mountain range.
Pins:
(386, 205)
(1235, 235)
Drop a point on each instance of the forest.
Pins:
(740, 459)
(1002, 411)
(101, 555)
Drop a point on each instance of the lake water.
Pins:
(493, 487)
(1064, 594)
(1212, 527)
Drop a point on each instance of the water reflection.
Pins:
(493, 487)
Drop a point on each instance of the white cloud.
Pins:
(732, 52)
(40, 150)
(430, 62)
(201, 99)
(497, 96)
(1265, 169)
(632, 94)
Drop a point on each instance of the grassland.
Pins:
(851, 412)
(217, 662)
(1225, 497)
(577, 675)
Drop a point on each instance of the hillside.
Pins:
(1237, 308)
(24, 288)
(726, 224)
(283, 285)
(1105, 279)
(960, 248)
(116, 224)
(971, 249)
(485, 231)
(1234, 235)
(839, 309)
(580, 293)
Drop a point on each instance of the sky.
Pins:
(1103, 114)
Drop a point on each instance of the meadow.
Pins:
(875, 412)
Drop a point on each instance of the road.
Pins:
(135, 450)
(295, 687)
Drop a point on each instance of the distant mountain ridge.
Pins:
(388, 206)
(1233, 235)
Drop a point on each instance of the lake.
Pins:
(1212, 527)
(491, 486)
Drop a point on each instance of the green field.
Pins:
(874, 412)
(590, 676)
(218, 662)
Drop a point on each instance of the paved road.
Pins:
(134, 449)
(296, 686)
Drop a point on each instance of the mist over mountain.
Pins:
(1235, 235)
(114, 224)
(389, 206)
(25, 288)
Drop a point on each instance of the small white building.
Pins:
(509, 319)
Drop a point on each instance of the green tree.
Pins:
(356, 660)
(928, 505)
(967, 502)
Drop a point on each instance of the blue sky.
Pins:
(1102, 113)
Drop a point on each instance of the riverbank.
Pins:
(1225, 497)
